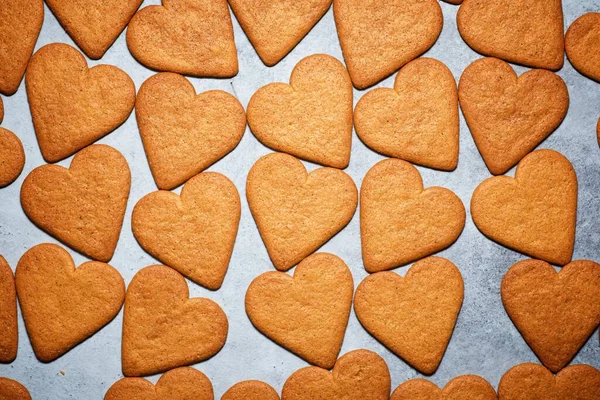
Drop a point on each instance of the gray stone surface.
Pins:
(485, 342)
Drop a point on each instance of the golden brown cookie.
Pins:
(62, 305)
(526, 32)
(534, 213)
(400, 221)
(82, 206)
(193, 233)
(1, 110)
(9, 333)
(534, 382)
(21, 24)
(455, 2)
(163, 328)
(184, 133)
(250, 390)
(582, 45)
(598, 131)
(555, 312)
(357, 375)
(509, 116)
(275, 27)
(13, 390)
(306, 314)
(297, 212)
(12, 157)
(416, 121)
(190, 37)
(465, 387)
(378, 37)
(311, 118)
(413, 316)
(183, 383)
(73, 106)
(94, 25)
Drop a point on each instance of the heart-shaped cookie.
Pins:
(276, 27)
(94, 25)
(193, 233)
(416, 121)
(306, 314)
(598, 131)
(62, 305)
(378, 37)
(184, 133)
(163, 328)
(400, 221)
(534, 382)
(21, 24)
(413, 316)
(534, 213)
(13, 390)
(508, 115)
(582, 45)
(1, 110)
(183, 383)
(526, 32)
(555, 312)
(12, 157)
(311, 118)
(73, 106)
(82, 206)
(190, 37)
(357, 375)
(9, 333)
(250, 390)
(465, 387)
(297, 212)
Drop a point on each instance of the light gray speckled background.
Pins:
(485, 342)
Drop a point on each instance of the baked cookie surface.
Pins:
(12, 157)
(582, 45)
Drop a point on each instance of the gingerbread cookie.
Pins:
(555, 312)
(534, 213)
(13, 390)
(9, 333)
(379, 37)
(582, 45)
(306, 314)
(190, 37)
(21, 25)
(183, 383)
(416, 121)
(184, 133)
(400, 221)
(82, 206)
(598, 131)
(163, 328)
(311, 118)
(509, 116)
(94, 25)
(73, 106)
(534, 382)
(357, 375)
(526, 32)
(1, 110)
(465, 387)
(12, 157)
(250, 390)
(62, 305)
(193, 233)
(455, 2)
(413, 316)
(275, 27)
(297, 212)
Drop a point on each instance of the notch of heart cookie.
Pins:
(163, 328)
(400, 221)
(417, 120)
(533, 213)
(413, 316)
(555, 312)
(62, 305)
(462, 387)
(307, 313)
